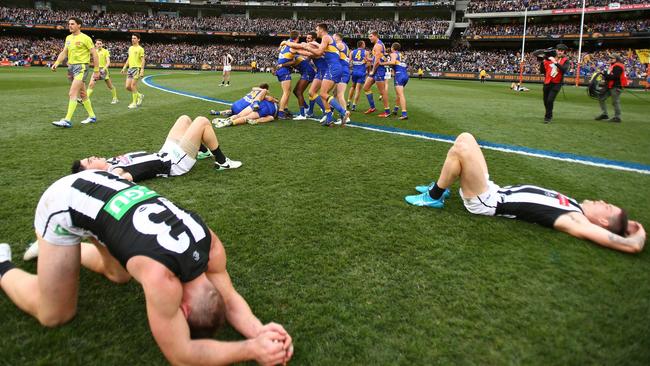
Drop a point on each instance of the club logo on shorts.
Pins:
(196, 256)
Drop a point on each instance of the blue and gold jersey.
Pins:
(250, 97)
(344, 55)
(400, 66)
(332, 54)
(359, 61)
(383, 52)
(285, 54)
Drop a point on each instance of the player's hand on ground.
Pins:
(288, 341)
(268, 348)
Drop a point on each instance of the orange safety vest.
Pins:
(610, 84)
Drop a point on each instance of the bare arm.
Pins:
(142, 68)
(123, 174)
(126, 65)
(579, 226)
(93, 53)
(163, 294)
(62, 56)
(108, 62)
(392, 61)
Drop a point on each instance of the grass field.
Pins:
(320, 239)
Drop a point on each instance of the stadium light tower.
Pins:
(582, 26)
(523, 43)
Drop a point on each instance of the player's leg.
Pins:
(353, 86)
(326, 86)
(244, 118)
(85, 101)
(284, 100)
(401, 99)
(381, 85)
(299, 92)
(370, 81)
(357, 94)
(179, 128)
(96, 258)
(109, 85)
(51, 294)
(464, 161)
(314, 97)
(134, 87)
(91, 87)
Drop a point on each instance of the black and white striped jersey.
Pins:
(534, 204)
(142, 165)
(128, 219)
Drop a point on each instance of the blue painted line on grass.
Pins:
(520, 150)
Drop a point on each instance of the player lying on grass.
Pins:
(261, 112)
(136, 233)
(246, 103)
(176, 157)
(597, 221)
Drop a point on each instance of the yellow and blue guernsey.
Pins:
(244, 102)
(344, 55)
(321, 67)
(285, 56)
(306, 68)
(333, 58)
(359, 65)
(401, 71)
(380, 71)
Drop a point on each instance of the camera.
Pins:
(545, 53)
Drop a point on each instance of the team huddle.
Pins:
(99, 218)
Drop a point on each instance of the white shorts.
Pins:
(485, 203)
(182, 160)
(227, 68)
(53, 221)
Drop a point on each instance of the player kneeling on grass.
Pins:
(136, 233)
(266, 111)
(597, 221)
(177, 156)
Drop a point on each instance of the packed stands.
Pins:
(495, 6)
(636, 25)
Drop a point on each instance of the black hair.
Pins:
(76, 167)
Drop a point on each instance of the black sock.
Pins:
(436, 192)
(202, 148)
(219, 157)
(228, 82)
(5, 267)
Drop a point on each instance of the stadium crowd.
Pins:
(411, 28)
(459, 59)
(494, 6)
(635, 25)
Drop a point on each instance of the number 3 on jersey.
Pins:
(143, 223)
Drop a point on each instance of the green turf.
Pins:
(319, 238)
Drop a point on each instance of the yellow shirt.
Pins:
(253, 64)
(79, 47)
(136, 53)
(420, 72)
(483, 73)
(104, 56)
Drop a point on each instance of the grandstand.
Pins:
(318, 235)
(439, 36)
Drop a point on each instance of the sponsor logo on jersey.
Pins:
(124, 200)
(563, 200)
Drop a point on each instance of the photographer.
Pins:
(616, 80)
(553, 66)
